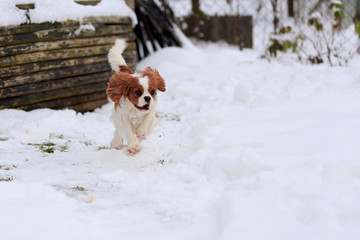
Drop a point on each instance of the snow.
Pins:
(47, 11)
(246, 149)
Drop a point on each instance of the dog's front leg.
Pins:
(146, 127)
(117, 142)
(133, 144)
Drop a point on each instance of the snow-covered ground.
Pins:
(246, 149)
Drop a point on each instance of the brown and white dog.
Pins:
(134, 97)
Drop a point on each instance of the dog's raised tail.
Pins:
(115, 58)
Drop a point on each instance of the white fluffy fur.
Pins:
(131, 125)
(115, 58)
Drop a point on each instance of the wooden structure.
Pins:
(62, 64)
(88, 2)
(154, 26)
(236, 30)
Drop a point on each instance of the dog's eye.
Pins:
(152, 92)
(138, 93)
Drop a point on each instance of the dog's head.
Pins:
(140, 87)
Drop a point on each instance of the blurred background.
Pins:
(315, 30)
(45, 47)
(267, 16)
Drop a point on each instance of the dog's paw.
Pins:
(116, 146)
(131, 151)
(140, 136)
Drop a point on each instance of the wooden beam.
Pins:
(54, 74)
(65, 33)
(113, 20)
(25, 6)
(291, 8)
(52, 95)
(55, 54)
(19, 70)
(67, 102)
(89, 106)
(29, 28)
(43, 66)
(38, 87)
(195, 6)
(88, 3)
(60, 44)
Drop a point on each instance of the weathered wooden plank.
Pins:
(50, 95)
(65, 33)
(54, 84)
(54, 54)
(54, 74)
(19, 70)
(107, 20)
(88, 3)
(25, 6)
(28, 28)
(57, 54)
(43, 66)
(66, 102)
(89, 106)
(61, 44)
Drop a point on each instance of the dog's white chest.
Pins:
(136, 120)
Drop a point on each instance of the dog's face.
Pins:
(140, 88)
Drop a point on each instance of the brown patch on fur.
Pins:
(121, 84)
(155, 80)
(132, 93)
(152, 87)
(125, 69)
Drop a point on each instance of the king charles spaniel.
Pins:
(134, 97)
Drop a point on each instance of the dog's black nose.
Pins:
(147, 99)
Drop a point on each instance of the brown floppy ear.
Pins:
(160, 82)
(155, 75)
(119, 86)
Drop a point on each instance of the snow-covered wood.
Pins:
(43, 65)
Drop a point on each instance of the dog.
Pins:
(134, 96)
